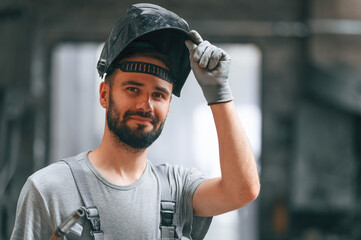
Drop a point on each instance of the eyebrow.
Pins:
(131, 82)
(162, 89)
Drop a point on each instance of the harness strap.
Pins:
(91, 211)
(167, 208)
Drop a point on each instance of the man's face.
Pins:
(138, 105)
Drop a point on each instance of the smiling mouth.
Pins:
(141, 120)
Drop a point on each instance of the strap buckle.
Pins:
(92, 214)
(167, 210)
(167, 228)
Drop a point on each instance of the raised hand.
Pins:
(210, 66)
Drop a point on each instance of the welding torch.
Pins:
(65, 226)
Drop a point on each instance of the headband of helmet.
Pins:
(143, 48)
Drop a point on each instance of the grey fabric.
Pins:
(184, 220)
(127, 212)
(217, 94)
(82, 184)
(200, 227)
(167, 229)
(165, 188)
(92, 213)
(167, 233)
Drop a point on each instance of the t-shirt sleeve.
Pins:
(33, 219)
(184, 182)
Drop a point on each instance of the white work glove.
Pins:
(210, 66)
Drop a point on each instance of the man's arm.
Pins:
(239, 182)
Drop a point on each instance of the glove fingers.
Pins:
(190, 45)
(210, 66)
(199, 50)
(196, 36)
(216, 57)
(207, 56)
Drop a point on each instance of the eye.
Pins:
(158, 95)
(133, 89)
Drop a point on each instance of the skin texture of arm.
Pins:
(239, 181)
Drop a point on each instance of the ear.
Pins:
(104, 94)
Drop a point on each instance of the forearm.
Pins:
(239, 183)
(239, 180)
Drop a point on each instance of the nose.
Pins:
(145, 103)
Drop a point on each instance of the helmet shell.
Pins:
(156, 25)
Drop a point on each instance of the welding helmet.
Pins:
(157, 26)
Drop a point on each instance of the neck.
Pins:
(118, 162)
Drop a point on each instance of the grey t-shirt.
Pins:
(127, 212)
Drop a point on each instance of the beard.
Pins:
(137, 138)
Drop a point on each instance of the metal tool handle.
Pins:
(65, 226)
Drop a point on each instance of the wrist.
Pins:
(217, 93)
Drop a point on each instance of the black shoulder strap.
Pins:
(167, 207)
(91, 211)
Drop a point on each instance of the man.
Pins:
(142, 71)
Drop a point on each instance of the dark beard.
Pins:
(134, 138)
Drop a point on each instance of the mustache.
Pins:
(130, 113)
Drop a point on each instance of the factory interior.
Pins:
(296, 81)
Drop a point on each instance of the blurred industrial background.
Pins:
(297, 86)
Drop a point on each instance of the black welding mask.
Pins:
(157, 26)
